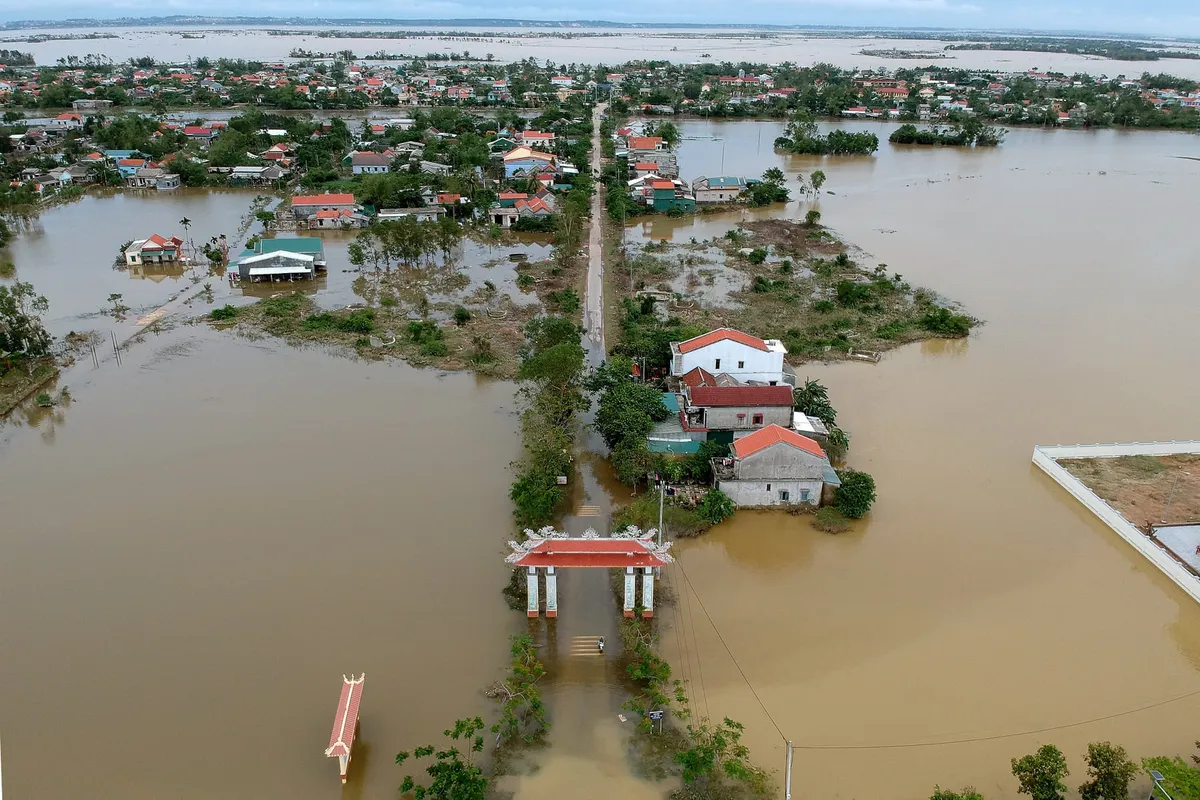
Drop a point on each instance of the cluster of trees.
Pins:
(625, 414)
(16, 58)
(966, 132)
(405, 241)
(551, 376)
(803, 137)
(22, 335)
(770, 189)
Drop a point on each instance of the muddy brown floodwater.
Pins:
(978, 599)
(218, 532)
(200, 545)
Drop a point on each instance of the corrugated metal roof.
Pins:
(671, 401)
(773, 434)
(676, 447)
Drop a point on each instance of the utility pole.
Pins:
(787, 780)
(662, 490)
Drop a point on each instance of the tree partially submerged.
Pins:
(453, 773)
(1041, 774)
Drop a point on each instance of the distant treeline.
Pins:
(1114, 49)
(15, 58)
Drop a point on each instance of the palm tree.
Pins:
(187, 224)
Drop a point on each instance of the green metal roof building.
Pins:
(304, 245)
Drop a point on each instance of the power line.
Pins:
(940, 742)
(1031, 732)
(696, 648)
(763, 706)
(684, 666)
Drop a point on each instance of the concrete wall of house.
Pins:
(370, 169)
(780, 461)
(726, 418)
(751, 494)
(717, 195)
(725, 355)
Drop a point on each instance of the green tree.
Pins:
(1041, 774)
(812, 218)
(453, 773)
(716, 752)
(628, 411)
(21, 329)
(812, 399)
(968, 793)
(774, 175)
(817, 180)
(521, 701)
(1109, 772)
(716, 507)
(1179, 779)
(856, 494)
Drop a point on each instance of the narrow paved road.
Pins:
(593, 307)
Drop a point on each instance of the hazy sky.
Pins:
(1180, 17)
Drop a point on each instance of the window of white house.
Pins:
(741, 365)
(804, 495)
(717, 364)
(785, 495)
(758, 419)
(768, 487)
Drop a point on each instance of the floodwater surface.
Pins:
(612, 47)
(211, 534)
(978, 600)
(217, 531)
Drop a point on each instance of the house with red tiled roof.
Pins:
(774, 466)
(154, 249)
(746, 358)
(307, 205)
(199, 133)
(736, 408)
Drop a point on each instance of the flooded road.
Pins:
(215, 533)
(978, 599)
(210, 535)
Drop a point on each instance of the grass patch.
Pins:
(17, 383)
(679, 521)
(830, 520)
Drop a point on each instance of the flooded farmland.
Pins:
(211, 533)
(681, 45)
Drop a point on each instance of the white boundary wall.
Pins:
(1045, 458)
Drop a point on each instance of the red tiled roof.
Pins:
(513, 195)
(773, 434)
(644, 142)
(323, 200)
(741, 396)
(448, 198)
(197, 130)
(132, 162)
(661, 185)
(650, 165)
(589, 553)
(721, 334)
(345, 719)
(699, 376)
(327, 214)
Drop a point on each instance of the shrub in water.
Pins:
(716, 507)
(856, 494)
(225, 312)
(830, 520)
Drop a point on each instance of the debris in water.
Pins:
(622, 717)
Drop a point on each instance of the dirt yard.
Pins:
(1140, 486)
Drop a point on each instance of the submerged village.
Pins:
(662, 324)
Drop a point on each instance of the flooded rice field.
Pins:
(210, 534)
(69, 252)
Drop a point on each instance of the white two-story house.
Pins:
(739, 355)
